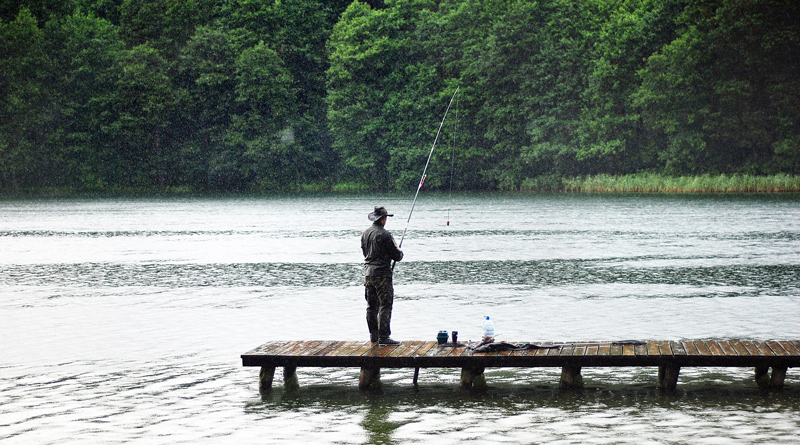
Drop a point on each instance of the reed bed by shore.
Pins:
(635, 183)
(656, 183)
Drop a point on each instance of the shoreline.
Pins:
(599, 184)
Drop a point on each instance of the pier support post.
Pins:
(290, 381)
(778, 375)
(265, 378)
(473, 378)
(761, 374)
(668, 377)
(416, 376)
(466, 378)
(571, 377)
(369, 377)
(765, 381)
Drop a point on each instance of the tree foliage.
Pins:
(274, 94)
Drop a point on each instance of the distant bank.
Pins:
(634, 183)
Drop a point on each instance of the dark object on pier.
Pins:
(503, 346)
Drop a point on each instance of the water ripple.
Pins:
(773, 279)
(439, 233)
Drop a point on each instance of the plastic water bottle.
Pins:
(488, 328)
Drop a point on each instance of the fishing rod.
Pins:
(425, 170)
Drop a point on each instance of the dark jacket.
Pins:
(379, 249)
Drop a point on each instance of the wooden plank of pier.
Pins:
(668, 356)
(411, 354)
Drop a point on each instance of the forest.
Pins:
(273, 95)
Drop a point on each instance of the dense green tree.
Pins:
(385, 92)
(41, 10)
(259, 144)
(354, 95)
(723, 94)
(613, 135)
(537, 51)
(456, 40)
(300, 41)
(296, 30)
(85, 49)
(165, 25)
(26, 117)
(108, 10)
(206, 71)
(144, 105)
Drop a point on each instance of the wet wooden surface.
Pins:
(318, 353)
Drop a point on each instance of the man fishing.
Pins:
(379, 249)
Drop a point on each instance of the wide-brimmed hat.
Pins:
(380, 212)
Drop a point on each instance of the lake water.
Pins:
(122, 320)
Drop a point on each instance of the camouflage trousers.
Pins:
(379, 294)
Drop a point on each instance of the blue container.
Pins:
(442, 337)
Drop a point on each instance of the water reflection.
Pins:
(376, 422)
(726, 409)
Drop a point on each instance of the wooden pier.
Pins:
(668, 356)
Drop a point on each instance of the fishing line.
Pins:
(452, 163)
(424, 171)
